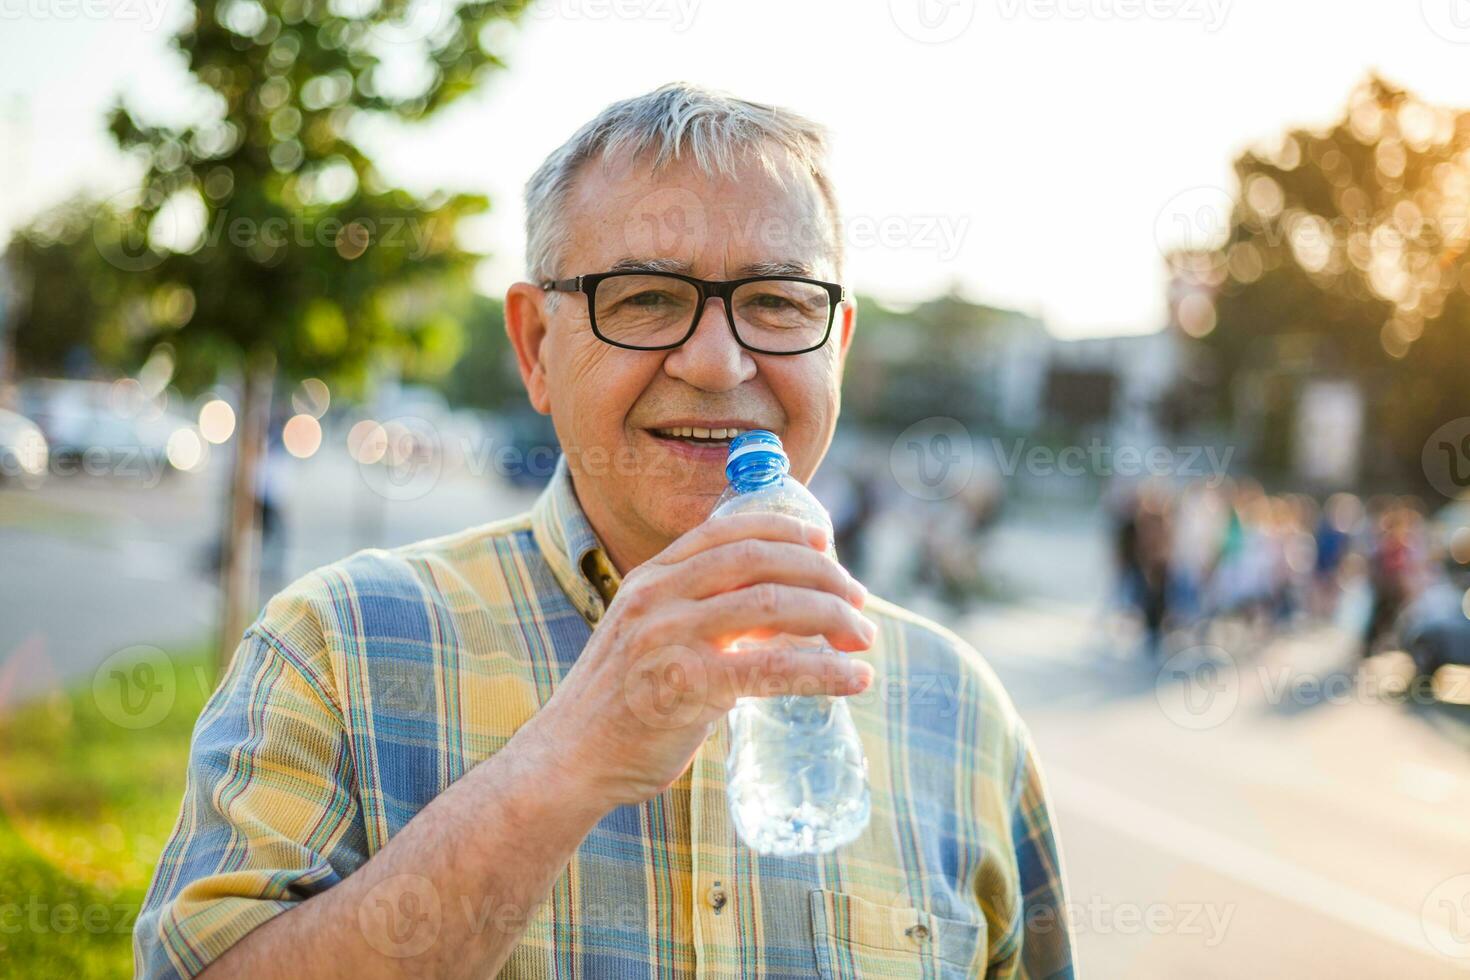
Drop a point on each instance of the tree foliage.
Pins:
(264, 228)
(1346, 257)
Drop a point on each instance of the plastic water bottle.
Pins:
(797, 776)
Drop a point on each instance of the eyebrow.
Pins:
(681, 267)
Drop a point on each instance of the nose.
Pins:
(711, 359)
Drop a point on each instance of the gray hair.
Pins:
(716, 130)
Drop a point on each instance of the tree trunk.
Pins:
(240, 571)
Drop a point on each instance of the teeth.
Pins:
(698, 432)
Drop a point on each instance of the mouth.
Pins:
(698, 435)
(705, 443)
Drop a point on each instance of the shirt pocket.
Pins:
(856, 938)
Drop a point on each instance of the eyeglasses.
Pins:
(641, 310)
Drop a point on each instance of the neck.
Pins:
(626, 548)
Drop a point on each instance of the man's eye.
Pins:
(649, 298)
(772, 301)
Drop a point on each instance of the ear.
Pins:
(848, 312)
(526, 325)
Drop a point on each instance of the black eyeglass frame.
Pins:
(724, 289)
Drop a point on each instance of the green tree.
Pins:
(485, 376)
(1346, 255)
(275, 243)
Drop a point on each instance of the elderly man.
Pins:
(502, 751)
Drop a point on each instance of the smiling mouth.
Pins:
(696, 435)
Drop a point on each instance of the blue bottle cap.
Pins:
(754, 448)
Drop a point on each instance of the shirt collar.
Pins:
(570, 546)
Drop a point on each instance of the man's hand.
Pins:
(659, 673)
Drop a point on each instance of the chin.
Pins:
(679, 512)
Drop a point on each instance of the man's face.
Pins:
(641, 489)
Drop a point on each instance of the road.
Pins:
(95, 565)
(1251, 806)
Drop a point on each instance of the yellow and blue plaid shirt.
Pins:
(370, 685)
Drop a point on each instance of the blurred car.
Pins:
(530, 448)
(417, 424)
(1449, 532)
(101, 428)
(1434, 629)
(23, 449)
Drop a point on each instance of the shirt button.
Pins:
(917, 933)
(716, 897)
(594, 614)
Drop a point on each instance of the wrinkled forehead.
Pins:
(622, 212)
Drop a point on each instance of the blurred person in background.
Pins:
(1143, 548)
(1397, 569)
(847, 490)
(951, 541)
(1246, 574)
(271, 493)
(1336, 523)
(1283, 525)
(1199, 529)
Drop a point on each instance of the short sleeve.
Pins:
(270, 815)
(1043, 946)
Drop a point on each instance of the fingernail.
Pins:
(856, 592)
(861, 680)
(817, 535)
(870, 630)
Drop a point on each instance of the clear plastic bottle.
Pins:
(796, 773)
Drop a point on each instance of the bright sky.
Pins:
(1037, 152)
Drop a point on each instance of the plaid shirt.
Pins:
(370, 685)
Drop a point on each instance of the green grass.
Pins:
(86, 803)
(28, 511)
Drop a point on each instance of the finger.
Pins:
(768, 527)
(749, 561)
(723, 618)
(788, 669)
